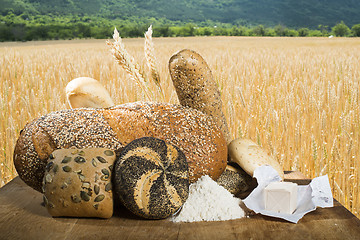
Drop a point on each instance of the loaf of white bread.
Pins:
(193, 132)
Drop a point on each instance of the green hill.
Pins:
(291, 13)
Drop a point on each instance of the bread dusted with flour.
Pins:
(151, 178)
(193, 132)
(196, 88)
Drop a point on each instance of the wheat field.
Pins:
(296, 97)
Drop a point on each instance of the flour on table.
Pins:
(208, 201)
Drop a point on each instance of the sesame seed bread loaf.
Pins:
(193, 132)
(151, 178)
(196, 88)
(77, 183)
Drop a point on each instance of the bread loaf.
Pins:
(196, 88)
(234, 179)
(77, 183)
(193, 132)
(87, 92)
(249, 156)
(151, 178)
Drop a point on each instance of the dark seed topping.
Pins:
(96, 206)
(84, 196)
(49, 166)
(104, 177)
(101, 159)
(96, 189)
(111, 168)
(45, 200)
(66, 168)
(108, 187)
(66, 159)
(105, 171)
(93, 162)
(108, 153)
(81, 177)
(99, 198)
(75, 198)
(51, 156)
(56, 168)
(82, 153)
(79, 160)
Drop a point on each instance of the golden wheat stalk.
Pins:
(151, 60)
(124, 59)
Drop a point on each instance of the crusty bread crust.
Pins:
(192, 131)
(196, 87)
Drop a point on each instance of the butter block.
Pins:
(281, 197)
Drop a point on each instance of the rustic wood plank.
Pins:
(294, 175)
(23, 217)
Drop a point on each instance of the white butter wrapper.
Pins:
(281, 197)
(316, 194)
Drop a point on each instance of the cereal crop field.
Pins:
(296, 97)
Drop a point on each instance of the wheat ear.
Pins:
(151, 60)
(124, 59)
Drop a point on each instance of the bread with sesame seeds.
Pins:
(196, 88)
(193, 132)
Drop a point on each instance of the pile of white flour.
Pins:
(208, 201)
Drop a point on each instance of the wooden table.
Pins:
(23, 217)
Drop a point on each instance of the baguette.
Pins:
(193, 132)
(249, 156)
(196, 88)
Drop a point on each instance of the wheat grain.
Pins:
(124, 59)
(151, 60)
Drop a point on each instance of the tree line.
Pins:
(78, 29)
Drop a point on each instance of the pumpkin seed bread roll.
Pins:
(196, 88)
(193, 132)
(151, 178)
(77, 183)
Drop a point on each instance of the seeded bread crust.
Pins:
(192, 131)
(151, 178)
(77, 183)
(234, 179)
(196, 87)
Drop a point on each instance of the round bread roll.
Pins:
(196, 88)
(234, 179)
(87, 92)
(77, 183)
(193, 132)
(249, 156)
(151, 178)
